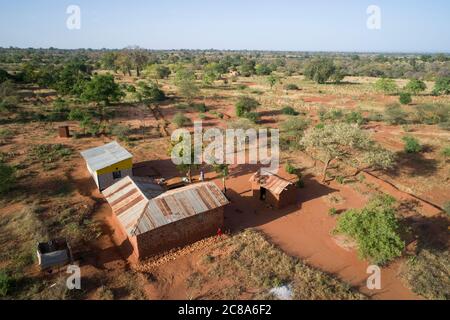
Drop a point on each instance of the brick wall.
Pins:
(179, 233)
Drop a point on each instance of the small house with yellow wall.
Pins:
(108, 163)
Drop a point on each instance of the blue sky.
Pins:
(320, 25)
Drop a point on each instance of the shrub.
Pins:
(415, 86)
(412, 145)
(289, 111)
(432, 113)
(447, 207)
(355, 117)
(245, 105)
(395, 115)
(291, 86)
(180, 120)
(333, 211)
(200, 107)
(387, 86)
(252, 116)
(290, 168)
(442, 86)
(446, 152)
(7, 177)
(405, 98)
(6, 284)
(121, 132)
(375, 230)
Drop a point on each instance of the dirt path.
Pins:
(305, 232)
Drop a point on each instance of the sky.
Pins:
(287, 25)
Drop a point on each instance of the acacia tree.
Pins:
(347, 143)
(224, 171)
(387, 86)
(185, 81)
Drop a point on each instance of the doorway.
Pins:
(262, 194)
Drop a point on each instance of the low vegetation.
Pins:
(375, 229)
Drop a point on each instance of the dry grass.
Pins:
(257, 266)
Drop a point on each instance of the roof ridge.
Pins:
(136, 224)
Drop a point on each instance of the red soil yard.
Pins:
(305, 232)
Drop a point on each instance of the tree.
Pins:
(108, 61)
(245, 105)
(405, 98)
(385, 85)
(102, 89)
(7, 177)
(415, 86)
(292, 132)
(262, 69)
(138, 58)
(272, 80)
(157, 71)
(321, 70)
(124, 63)
(212, 72)
(346, 143)
(442, 86)
(375, 230)
(185, 81)
(149, 92)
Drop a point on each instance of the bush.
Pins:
(180, 120)
(446, 152)
(375, 230)
(432, 113)
(290, 168)
(387, 86)
(415, 86)
(252, 116)
(447, 207)
(245, 105)
(200, 107)
(405, 98)
(442, 86)
(289, 111)
(6, 284)
(7, 177)
(355, 117)
(332, 212)
(291, 86)
(395, 115)
(412, 145)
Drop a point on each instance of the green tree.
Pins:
(224, 171)
(149, 92)
(157, 71)
(108, 61)
(272, 80)
(262, 69)
(375, 230)
(245, 105)
(212, 72)
(321, 70)
(185, 81)
(385, 85)
(442, 86)
(415, 86)
(102, 89)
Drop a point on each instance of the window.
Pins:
(117, 175)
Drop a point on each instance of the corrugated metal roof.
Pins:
(270, 181)
(142, 206)
(105, 156)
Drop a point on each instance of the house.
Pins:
(155, 220)
(272, 189)
(108, 163)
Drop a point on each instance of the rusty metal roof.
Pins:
(270, 181)
(142, 205)
(105, 156)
